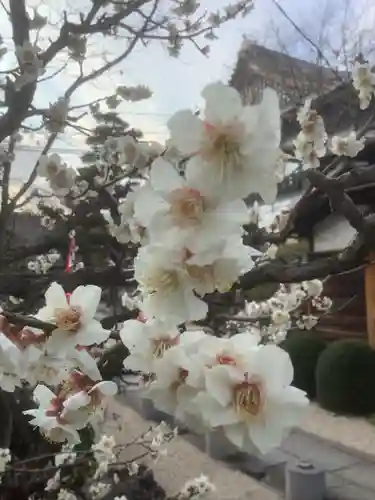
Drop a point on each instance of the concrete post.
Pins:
(304, 481)
(275, 470)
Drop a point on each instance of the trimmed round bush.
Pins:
(304, 350)
(345, 377)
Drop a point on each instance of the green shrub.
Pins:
(345, 378)
(304, 350)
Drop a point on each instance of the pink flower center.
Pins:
(187, 206)
(56, 409)
(225, 360)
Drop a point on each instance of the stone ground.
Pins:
(343, 447)
(353, 432)
(184, 461)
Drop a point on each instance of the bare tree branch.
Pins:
(21, 99)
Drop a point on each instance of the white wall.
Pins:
(333, 234)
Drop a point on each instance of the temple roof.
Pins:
(294, 79)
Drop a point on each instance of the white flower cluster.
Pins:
(56, 116)
(364, 83)
(194, 226)
(43, 263)
(310, 144)
(58, 357)
(98, 490)
(61, 178)
(104, 454)
(348, 145)
(286, 307)
(31, 66)
(5, 458)
(129, 228)
(196, 488)
(66, 495)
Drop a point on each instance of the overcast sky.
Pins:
(177, 83)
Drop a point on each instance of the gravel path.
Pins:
(352, 432)
(185, 462)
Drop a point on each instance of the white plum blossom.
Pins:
(129, 302)
(43, 263)
(129, 228)
(128, 149)
(104, 454)
(307, 321)
(234, 148)
(88, 397)
(5, 458)
(310, 144)
(40, 366)
(348, 145)
(364, 83)
(66, 495)
(84, 362)
(313, 128)
(180, 213)
(61, 177)
(254, 402)
(10, 364)
(48, 417)
(61, 415)
(50, 166)
(98, 490)
(166, 287)
(57, 115)
(219, 268)
(196, 488)
(147, 341)
(73, 317)
(313, 288)
(30, 64)
(306, 152)
(280, 317)
(105, 447)
(212, 351)
(176, 377)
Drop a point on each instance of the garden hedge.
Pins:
(304, 350)
(345, 377)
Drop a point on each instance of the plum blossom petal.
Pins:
(223, 103)
(107, 388)
(186, 131)
(76, 401)
(87, 298)
(55, 296)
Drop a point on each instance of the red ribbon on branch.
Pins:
(70, 258)
(71, 252)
